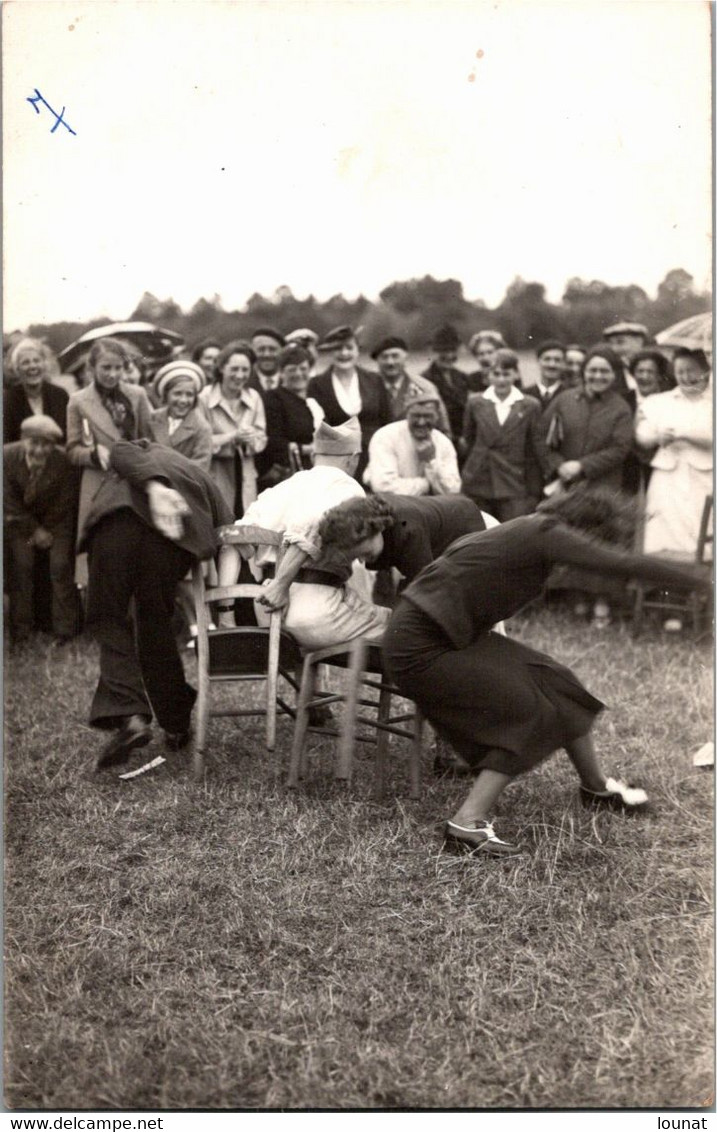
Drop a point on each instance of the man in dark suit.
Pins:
(33, 394)
(40, 498)
(345, 390)
(551, 360)
(267, 344)
(451, 382)
(146, 526)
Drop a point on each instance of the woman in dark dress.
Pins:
(502, 705)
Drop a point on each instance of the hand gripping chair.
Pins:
(246, 653)
(365, 669)
(690, 603)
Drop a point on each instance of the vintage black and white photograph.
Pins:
(358, 622)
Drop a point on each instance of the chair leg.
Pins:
(416, 754)
(348, 729)
(384, 711)
(272, 681)
(200, 735)
(638, 610)
(301, 724)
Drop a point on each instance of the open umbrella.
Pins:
(154, 343)
(694, 333)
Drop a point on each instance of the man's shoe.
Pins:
(177, 740)
(478, 839)
(134, 733)
(617, 795)
(321, 717)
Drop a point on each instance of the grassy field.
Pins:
(240, 946)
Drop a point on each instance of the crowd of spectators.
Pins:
(617, 414)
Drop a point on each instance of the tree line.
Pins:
(416, 308)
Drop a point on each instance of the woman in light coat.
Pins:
(179, 424)
(238, 422)
(679, 422)
(105, 411)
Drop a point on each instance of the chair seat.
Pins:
(373, 663)
(245, 651)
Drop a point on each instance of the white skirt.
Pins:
(674, 505)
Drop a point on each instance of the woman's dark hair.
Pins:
(663, 366)
(205, 345)
(238, 347)
(355, 520)
(602, 352)
(698, 356)
(609, 516)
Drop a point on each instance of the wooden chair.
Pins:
(364, 666)
(300, 457)
(246, 653)
(691, 603)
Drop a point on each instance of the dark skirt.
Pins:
(502, 705)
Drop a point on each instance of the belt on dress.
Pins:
(308, 576)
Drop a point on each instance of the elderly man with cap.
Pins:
(326, 599)
(452, 384)
(347, 390)
(411, 457)
(40, 495)
(291, 416)
(148, 522)
(266, 344)
(390, 355)
(178, 424)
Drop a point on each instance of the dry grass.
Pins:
(240, 946)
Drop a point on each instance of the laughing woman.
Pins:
(238, 423)
(178, 424)
(502, 705)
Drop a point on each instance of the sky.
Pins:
(339, 145)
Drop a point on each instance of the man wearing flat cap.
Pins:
(267, 344)
(40, 495)
(325, 597)
(390, 355)
(626, 338)
(346, 389)
(452, 384)
(412, 457)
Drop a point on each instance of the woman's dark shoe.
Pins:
(478, 839)
(617, 795)
(134, 733)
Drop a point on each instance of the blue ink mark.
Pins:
(59, 120)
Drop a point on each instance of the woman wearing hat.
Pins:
(236, 416)
(179, 424)
(346, 390)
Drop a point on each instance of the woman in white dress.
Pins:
(679, 422)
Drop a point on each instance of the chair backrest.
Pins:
(706, 536)
(300, 457)
(248, 536)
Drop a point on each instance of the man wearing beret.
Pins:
(411, 457)
(267, 344)
(40, 495)
(390, 356)
(147, 524)
(452, 384)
